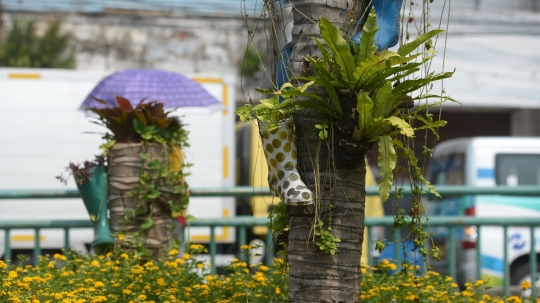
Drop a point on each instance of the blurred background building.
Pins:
(494, 45)
(205, 36)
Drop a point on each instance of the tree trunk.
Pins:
(125, 167)
(335, 172)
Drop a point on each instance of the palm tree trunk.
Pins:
(335, 172)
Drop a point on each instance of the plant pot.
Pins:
(279, 147)
(128, 213)
(94, 193)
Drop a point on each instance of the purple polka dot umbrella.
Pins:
(172, 89)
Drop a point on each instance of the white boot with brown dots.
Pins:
(279, 147)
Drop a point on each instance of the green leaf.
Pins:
(269, 103)
(244, 112)
(139, 126)
(444, 98)
(407, 48)
(143, 156)
(177, 189)
(340, 48)
(153, 164)
(367, 40)
(148, 223)
(393, 65)
(379, 245)
(412, 85)
(405, 128)
(321, 66)
(364, 107)
(324, 110)
(387, 163)
(361, 72)
(259, 107)
(331, 91)
(430, 187)
(154, 193)
(384, 101)
(434, 124)
(379, 126)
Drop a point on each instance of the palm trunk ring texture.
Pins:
(279, 147)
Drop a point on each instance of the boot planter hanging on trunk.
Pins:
(279, 147)
(95, 195)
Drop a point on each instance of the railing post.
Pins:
(506, 273)
(213, 249)
(369, 246)
(452, 252)
(532, 262)
(478, 252)
(397, 238)
(7, 246)
(37, 247)
(66, 241)
(241, 240)
(269, 248)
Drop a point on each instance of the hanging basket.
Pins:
(94, 193)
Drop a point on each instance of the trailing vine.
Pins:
(162, 176)
(381, 85)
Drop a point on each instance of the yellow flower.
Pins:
(12, 275)
(161, 282)
(60, 257)
(126, 291)
(137, 269)
(95, 263)
(141, 297)
(200, 265)
(99, 299)
(478, 283)
(3, 265)
(514, 299)
(98, 284)
(179, 261)
(277, 291)
(263, 268)
(121, 237)
(124, 255)
(525, 285)
(173, 252)
(186, 256)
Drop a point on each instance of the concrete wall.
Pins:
(110, 42)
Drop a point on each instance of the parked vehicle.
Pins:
(486, 161)
(45, 130)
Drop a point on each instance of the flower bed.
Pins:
(118, 277)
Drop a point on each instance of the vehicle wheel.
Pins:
(521, 274)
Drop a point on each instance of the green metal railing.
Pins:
(243, 223)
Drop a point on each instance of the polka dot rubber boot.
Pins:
(279, 147)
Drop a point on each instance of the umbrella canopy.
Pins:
(172, 89)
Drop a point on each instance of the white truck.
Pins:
(43, 130)
(487, 161)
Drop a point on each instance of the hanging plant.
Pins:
(368, 100)
(146, 173)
